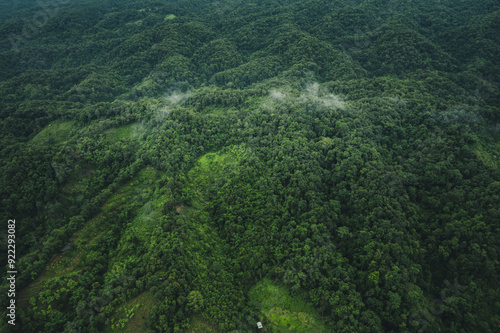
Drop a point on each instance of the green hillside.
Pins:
(202, 166)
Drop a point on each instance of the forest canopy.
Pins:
(201, 166)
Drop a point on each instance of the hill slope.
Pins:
(199, 166)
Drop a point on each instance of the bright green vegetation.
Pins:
(214, 169)
(320, 166)
(131, 316)
(169, 17)
(284, 312)
(121, 133)
(54, 133)
(488, 154)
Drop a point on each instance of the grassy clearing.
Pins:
(54, 133)
(199, 325)
(120, 133)
(169, 17)
(131, 316)
(212, 170)
(284, 312)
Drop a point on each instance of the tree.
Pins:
(195, 301)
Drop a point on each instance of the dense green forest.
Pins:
(201, 166)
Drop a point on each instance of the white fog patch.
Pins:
(138, 130)
(458, 114)
(277, 95)
(162, 113)
(313, 95)
(170, 100)
(396, 100)
(176, 98)
(321, 97)
(313, 89)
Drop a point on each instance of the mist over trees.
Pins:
(201, 166)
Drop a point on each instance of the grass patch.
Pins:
(169, 17)
(212, 170)
(284, 312)
(215, 168)
(130, 316)
(199, 325)
(54, 133)
(120, 133)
